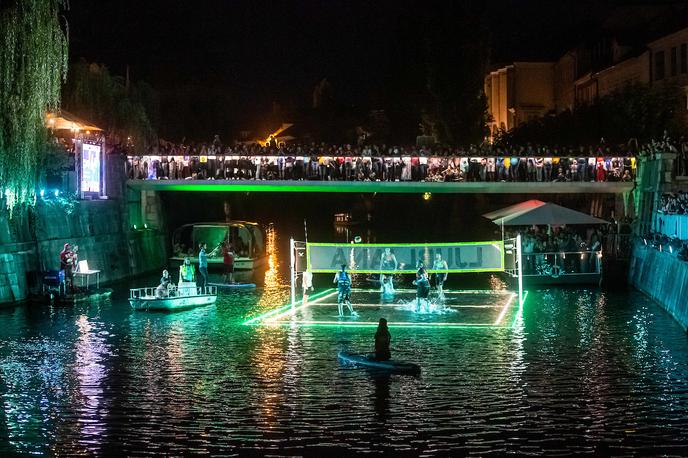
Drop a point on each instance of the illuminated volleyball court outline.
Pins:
(507, 312)
(510, 310)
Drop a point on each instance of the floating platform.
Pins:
(91, 295)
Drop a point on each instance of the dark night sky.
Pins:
(248, 54)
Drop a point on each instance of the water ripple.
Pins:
(586, 372)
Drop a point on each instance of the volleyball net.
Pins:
(497, 307)
(374, 258)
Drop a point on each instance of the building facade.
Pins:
(668, 61)
(518, 93)
(522, 91)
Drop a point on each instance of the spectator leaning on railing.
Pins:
(674, 203)
(530, 163)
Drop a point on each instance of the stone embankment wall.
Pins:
(30, 243)
(663, 277)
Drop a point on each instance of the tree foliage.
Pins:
(635, 111)
(124, 110)
(33, 63)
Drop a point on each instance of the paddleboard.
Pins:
(234, 285)
(397, 367)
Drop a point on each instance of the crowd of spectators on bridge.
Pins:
(383, 163)
(674, 203)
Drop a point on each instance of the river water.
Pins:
(584, 371)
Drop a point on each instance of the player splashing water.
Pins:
(440, 276)
(422, 288)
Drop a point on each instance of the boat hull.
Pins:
(171, 304)
(234, 285)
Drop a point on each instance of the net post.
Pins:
(519, 258)
(292, 266)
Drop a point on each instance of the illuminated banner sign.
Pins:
(403, 258)
(90, 168)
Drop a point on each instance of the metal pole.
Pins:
(292, 266)
(520, 269)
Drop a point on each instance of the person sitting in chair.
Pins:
(163, 289)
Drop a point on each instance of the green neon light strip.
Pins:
(284, 307)
(392, 245)
(499, 245)
(408, 187)
(374, 324)
(519, 314)
(504, 309)
(357, 305)
(293, 310)
(405, 271)
(274, 321)
(495, 292)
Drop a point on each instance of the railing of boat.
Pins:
(555, 264)
(173, 291)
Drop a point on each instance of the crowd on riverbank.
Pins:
(674, 203)
(671, 223)
(381, 163)
(543, 248)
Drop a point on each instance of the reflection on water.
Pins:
(91, 351)
(584, 371)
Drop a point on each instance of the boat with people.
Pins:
(247, 241)
(390, 365)
(170, 299)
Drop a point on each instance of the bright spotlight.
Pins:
(42, 193)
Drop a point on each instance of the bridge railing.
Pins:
(383, 168)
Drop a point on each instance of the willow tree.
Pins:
(33, 64)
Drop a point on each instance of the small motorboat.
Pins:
(248, 240)
(185, 296)
(392, 366)
(234, 285)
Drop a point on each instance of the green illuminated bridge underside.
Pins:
(383, 187)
